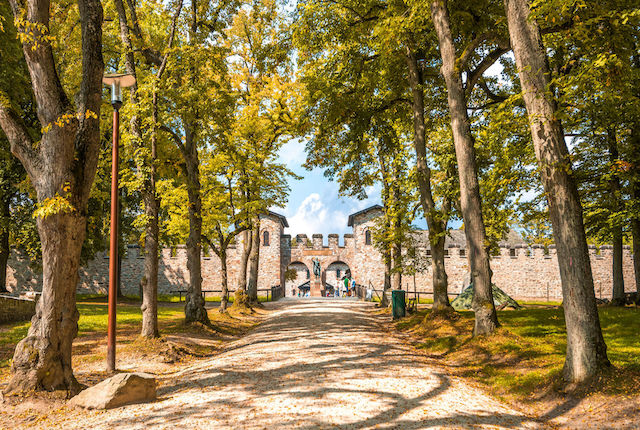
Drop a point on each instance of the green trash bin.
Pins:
(398, 304)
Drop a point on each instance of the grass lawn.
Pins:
(162, 298)
(524, 358)
(90, 344)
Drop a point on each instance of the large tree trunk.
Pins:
(194, 309)
(396, 226)
(396, 274)
(241, 297)
(435, 223)
(635, 195)
(616, 230)
(440, 280)
(5, 250)
(586, 350)
(486, 319)
(42, 360)
(61, 165)
(635, 234)
(224, 301)
(254, 262)
(149, 306)
(384, 300)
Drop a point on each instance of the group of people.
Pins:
(346, 288)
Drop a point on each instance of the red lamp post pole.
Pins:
(113, 248)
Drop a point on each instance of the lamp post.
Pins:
(117, 82)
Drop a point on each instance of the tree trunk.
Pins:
(486, 318)
(396, 226)
(194, 309)
(42, 360)
(384, 300)
(586, 350)
(635, 235)
(618, 298)
(5, 249)
(635, 196)
(149, 306)
(254, 262)
(241, 298)
(396, 274)
(225, 283)
(149, 297)
(440, 280)
(635, 231)
(434, 218)
(61, 165)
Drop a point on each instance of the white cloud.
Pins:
(314, 216)
(293, 154)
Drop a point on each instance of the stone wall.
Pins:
(172, 271)
(530, 274)
(524, 273)
(13, 309)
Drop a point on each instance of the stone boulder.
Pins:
(119, 390)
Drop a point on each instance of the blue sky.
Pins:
(314, 204)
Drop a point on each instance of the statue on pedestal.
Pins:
(316, 267)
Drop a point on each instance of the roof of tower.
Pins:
(281, 218)
(363, 211)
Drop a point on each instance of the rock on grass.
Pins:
(119, 390)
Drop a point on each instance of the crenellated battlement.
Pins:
(317, 242)
(522, 270)
(302, 241)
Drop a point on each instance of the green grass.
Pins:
(526, 355)
(176, 299)
(93, 318)
(93, 321)
(162, 298)
(540, 303)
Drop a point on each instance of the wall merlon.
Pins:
(317, 240)
(333, 240)
(349, 241)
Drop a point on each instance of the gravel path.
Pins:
(313, 364)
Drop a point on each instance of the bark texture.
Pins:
(42, 360)
(63, 165)
(396, 227)
(5, 250)
(436, 219)
(149, 284)
(635, 231)
(635, 194)
(194, 309)
(616, 205)
(635, 234)
(384, 300)
(486, 319)
(241, 297)
(224, 274)
(586, 350)
(254, 262)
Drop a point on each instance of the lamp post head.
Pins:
(117, 82)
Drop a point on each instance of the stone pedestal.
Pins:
(315, 288)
